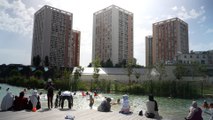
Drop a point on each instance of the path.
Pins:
(57, 114)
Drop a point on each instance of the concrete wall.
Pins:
(144, 76)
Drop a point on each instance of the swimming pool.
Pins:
(169, 109)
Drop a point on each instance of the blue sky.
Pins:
(16, 24)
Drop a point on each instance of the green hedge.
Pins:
(177, 89)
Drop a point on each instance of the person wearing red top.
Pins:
(20, 102)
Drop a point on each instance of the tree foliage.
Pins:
(77, 75)
(36, 60)
(160, 67)
(179, 71)
(46, 61)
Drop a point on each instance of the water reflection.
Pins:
(170, 109)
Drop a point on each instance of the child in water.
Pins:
(91, 101)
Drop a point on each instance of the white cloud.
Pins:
(210, 30)
(183, 8)
(16, 17)
(185, 14)
(174, 8)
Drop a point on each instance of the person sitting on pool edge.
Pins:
(125, 109)
(20, 103)
(195, 112)
(152, 108)
(105, 105)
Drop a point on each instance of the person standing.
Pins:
(50, 94)
(91, 101)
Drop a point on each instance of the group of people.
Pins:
(195, 112)
(60, 97)
(11, 102)
(151, 105)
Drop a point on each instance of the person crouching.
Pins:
(66, 95)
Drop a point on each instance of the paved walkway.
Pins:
(57, 114)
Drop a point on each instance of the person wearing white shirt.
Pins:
(66, 95)
(152, 108)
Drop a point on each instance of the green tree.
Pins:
(38, 74)
(77, 75)
(124, 63)
(108, 63)
(46, 61)
(66, 78)
(36, 60)
(96, 65)
(160, 67)
(179, 71)
(137, 75)
(129, 71)
(102, 63)
(198, 69)
(14, 72)
(26, 71)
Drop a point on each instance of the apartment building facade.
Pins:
(113, 35)
(170, 38)
(52, 37)
(201, 57)
(148, 47)
(76, 37)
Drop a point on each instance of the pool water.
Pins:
(169, 108)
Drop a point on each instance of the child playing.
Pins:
(91, 99)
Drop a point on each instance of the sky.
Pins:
(16, 24)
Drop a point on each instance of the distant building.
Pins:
(52, 37)
(76, 36)
(148, 50)
(202, 57)
(113, 35)
(170, 37)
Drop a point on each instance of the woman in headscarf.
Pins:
(195, 113)
(7, 101)
(125, 109)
